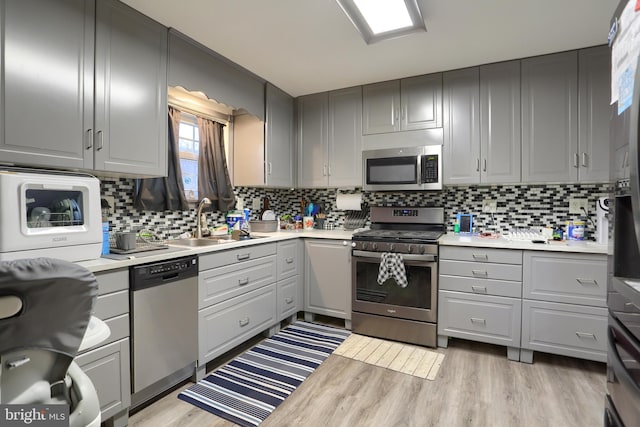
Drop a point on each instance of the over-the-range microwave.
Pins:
(397, 169)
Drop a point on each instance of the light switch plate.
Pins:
(576, 205)
(255, 203)
(489, 206)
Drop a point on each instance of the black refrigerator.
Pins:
(622, 402)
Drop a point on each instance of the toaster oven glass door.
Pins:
(53, 208)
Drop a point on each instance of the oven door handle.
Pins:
(405, 257)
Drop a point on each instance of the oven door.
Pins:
(416, 301)
(623, 373)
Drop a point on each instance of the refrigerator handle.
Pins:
(634, 183)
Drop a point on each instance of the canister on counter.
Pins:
(575, 230)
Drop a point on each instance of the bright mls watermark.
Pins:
(34, 415)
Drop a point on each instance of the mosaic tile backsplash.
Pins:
(519, 206)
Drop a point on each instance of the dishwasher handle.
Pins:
(150, 275)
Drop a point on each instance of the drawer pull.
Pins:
(585, 335)
(483, 257)
(585, 282)
(479, 289)
(482, 273)
(244, 322)
(289, 260)
(630, 304)
(242, 282)
(478, 321)
(17, 363)
(288, 300)
(242, 257)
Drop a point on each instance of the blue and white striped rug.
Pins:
(247, 389)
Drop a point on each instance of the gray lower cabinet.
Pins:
(236, 299)
(290, 278)
(92, 77)
(107, 364)
(479, 296)
(327, 278)
(564, 305)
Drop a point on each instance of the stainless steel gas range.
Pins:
(395, 274)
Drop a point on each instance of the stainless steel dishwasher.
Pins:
(164, 325)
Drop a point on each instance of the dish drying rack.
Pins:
(356, 219)
(524, 234)
(145, 241)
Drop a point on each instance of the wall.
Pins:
(518, 205)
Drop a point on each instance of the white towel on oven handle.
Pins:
(392, 265)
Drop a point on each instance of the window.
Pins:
(189, 146)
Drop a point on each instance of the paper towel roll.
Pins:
(349, 202)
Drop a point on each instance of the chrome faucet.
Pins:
(204, 202)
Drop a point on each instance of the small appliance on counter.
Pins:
(602, 220)
(465, 223)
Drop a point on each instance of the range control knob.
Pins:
(421, 250)
(409, 248)
(391, 247)
(353, 244)
(364, 245)
(374, 246)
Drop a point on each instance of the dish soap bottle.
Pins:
(456, 227)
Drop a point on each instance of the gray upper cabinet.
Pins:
(49, 81)
(549, 118)
(279, 138)
(500, 142)
(461, 105)
(594, 94)
(131, 92)
(330, 139)
(399, 105)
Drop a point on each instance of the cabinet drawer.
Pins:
(219, 284)
(112, 281)
(568, 278)
(235, 256)
(483, 318)
(480, 270)
(289, 259)
(223, 326)
(503, 288)
(289, 298)
(111, 305)
(565, 329)
(500, 256)
(108, 369)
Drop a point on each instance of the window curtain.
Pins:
(213, 175)
(167, 193)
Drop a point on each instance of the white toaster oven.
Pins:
(49, 213)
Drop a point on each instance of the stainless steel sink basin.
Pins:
(193, 242)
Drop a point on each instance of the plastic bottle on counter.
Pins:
(456, 227)
(105, 238)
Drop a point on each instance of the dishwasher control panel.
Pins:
(168, 266)
(157, 273)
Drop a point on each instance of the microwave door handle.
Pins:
(633, 157)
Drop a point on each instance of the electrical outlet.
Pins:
(239, 203)
(576, 205)
(255, 204)
(489, 206)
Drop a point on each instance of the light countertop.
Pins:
(103, 264)
(450, 239)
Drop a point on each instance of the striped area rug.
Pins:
(247, 389)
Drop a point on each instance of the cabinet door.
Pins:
(312, 140)
(500, 143)
(461, 127)
(549, 114)
(593, 115)
(131, 92)
(289, 258)
(327, 278)
(381, 107)
(421, 99)
(279, 130)
(345, 137)
(47, 82)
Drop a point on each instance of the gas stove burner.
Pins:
(399, 235)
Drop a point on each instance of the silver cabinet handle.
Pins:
(477, 165)
(89, 139)
(289, 260)
(242, 282)
(329, 170)
(478, 321)
(586, 335)
(324, 170)
(242, 257)
(585, 282)
(244, 322)
(17, 363)
(480, 256)
(483, 273)
(269, 168)
(100, 140)
(479, 289)
(626, 157)
(575, 160)
(288, 300)
(390, 310)
(584, 160)
(484, 165)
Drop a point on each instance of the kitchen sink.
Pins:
(207, 241)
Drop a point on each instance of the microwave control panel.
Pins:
(429, 168)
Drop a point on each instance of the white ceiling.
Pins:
(309, 46)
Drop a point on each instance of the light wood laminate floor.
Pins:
(476, 386)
